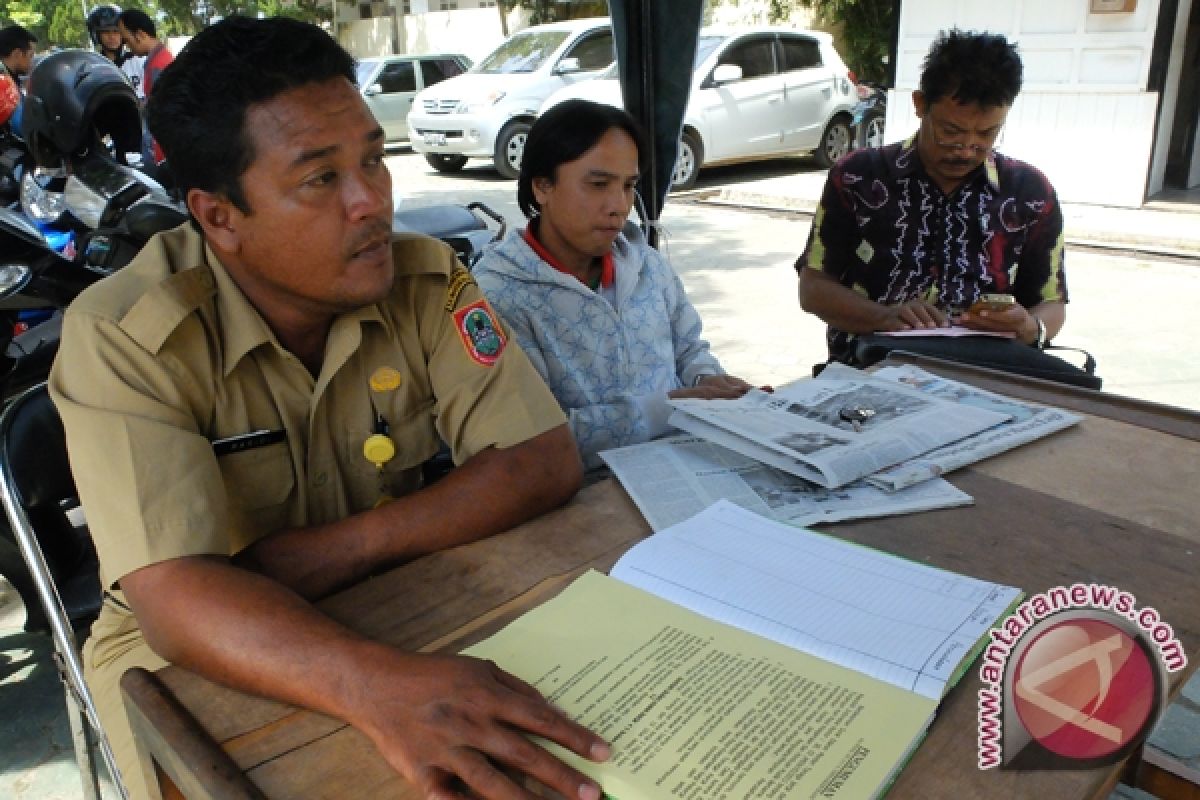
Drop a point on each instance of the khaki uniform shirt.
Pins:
(166, 357)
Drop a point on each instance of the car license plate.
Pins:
(435, 139)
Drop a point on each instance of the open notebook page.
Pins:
(901, 622)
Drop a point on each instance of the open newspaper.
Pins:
(677, 477)
(1029, 422)
(833, 430)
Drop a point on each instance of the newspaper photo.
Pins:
(674, 478)
(1028, 423)
(833, 430)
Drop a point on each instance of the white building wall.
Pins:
(1083, 116)
(474, 32)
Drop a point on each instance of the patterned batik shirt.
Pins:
(887, 231)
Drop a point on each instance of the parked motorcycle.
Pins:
(869, 115)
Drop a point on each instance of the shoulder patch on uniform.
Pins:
(460, 279)
(480, 331)
(162, 309)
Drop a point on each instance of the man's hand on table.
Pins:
(912, 315)
(1016, 319)
(449, 722)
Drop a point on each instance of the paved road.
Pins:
(1134, 313)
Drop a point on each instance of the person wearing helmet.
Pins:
(16, 59)
(102, 25)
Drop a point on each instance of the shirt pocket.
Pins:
(259, 483)
(414, 436)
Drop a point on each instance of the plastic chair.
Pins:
(39, 494)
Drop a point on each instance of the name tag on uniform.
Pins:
(247, 441)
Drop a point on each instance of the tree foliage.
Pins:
(62, 22)
(866, 30)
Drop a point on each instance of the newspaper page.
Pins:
(675, 478)
(834, 430)
(1029, 422)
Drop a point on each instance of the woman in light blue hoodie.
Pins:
(601, 314)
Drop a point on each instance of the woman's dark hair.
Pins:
(563, 134)
(971, 67)
(197, 110)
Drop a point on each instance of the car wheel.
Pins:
(446, 163)
(510, 146)
(871, 131)
(687, 162)
(835, 142)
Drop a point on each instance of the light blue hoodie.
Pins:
(609, 367)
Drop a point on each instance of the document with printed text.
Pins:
(731, 655)
(674, 478)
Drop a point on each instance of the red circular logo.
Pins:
(1085, 688)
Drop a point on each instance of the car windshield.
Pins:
(363, 71)
(524, 52)
(704, 48)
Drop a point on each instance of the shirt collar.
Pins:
(606, 262)
(243, 327)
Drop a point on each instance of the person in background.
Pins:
(102, 25)
(602, 315)
(248, 405)
(910, 232)
(16, 60)
(141, 37)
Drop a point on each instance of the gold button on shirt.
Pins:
(167, 356)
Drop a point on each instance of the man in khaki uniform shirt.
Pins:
(248, 405)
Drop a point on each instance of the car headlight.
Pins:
(13, 278)
(476, 103)
(39, 203)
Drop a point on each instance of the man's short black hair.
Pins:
(971, 67)
(15, 37)
(197, 111)
(135, 20)
(563, 134)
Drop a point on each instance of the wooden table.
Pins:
(1114, 500)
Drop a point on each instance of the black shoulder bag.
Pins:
(1006, 355)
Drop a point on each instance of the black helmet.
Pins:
(102, 18)
(74, 99)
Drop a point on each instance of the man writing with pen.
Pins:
(247, 406)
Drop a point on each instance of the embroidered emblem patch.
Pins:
(459, 279)
(480, 332)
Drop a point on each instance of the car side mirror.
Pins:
(569, 65)
(726, 73)
(373, 90)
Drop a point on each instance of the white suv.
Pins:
(487, 112)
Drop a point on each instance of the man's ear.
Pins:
(218, 218)
(919, 104)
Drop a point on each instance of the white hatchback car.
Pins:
(756, 93)
(487, 112)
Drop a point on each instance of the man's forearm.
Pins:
(838, 306)
(244, 630)
(506, 487)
